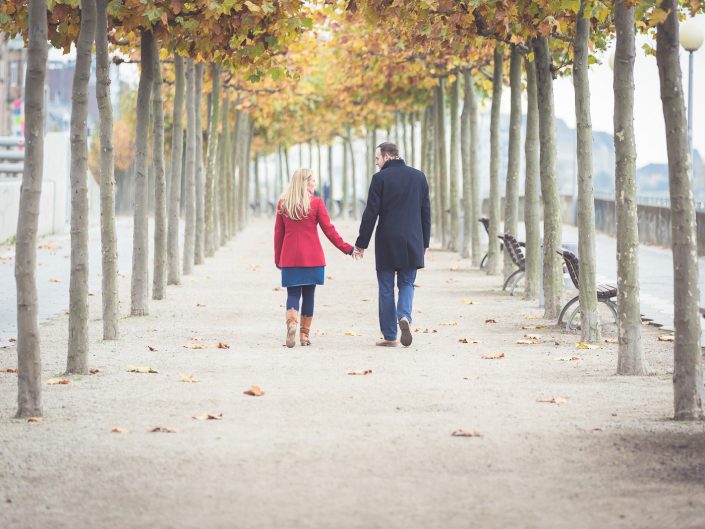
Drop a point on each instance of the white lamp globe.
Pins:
(610, 59)
(691, 34)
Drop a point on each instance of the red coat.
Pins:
(296, 242)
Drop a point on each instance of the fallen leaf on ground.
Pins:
(468, 340)
(495, 356)
(471, 378)
(527, 341)
(188, 378)
(490, 321)
(200, 305)
(54, 280)
(94, 370)
(8, 370)
(465, 433)
(254, 267)
(351, 333)
(533, 326)
(152, 330)
(277, 289)
(583, 345)
(454, 268)
(223, 345)
(162, 429)
(532, 318)
(554, 400)
(533, 336)
(611, 340)
(209, 417)
(568, 358)
(449, 323)
(151, 348)
(12, 340)
(195, 345)
(362, 372)
(468, 302)
(118, 430)
(425, 331)
(141, 369)
(329, 277)
(320, 333)
(35, 419)
(451, 280)
(365, 299)
(53, 381)
(666, 338)
(254, 391)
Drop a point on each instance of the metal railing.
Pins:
(646, 200)
(11, 156)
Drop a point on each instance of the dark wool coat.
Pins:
(398, 196)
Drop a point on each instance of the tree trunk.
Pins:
(160, 192)
(589, 317)
(493, 256)
(511, 193)
(474, 175)
(454, 196)
(234, 161)
(688, 391)
(531, 186)
(140, 246)
(224, 172)
(200, 235)
(258, 194)
(465, 164)
(352, 170)
(77, 359)
(412, 138)
(29, 361)
(346, 181)
(630, 359)
(242, 174)
(318, 175)
(552, 268)
(212, 157)
(330, 179)
(190, 185)
(441, 162)
(108, 235)
(177, 144)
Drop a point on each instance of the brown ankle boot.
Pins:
(305, 329)
(292, 318)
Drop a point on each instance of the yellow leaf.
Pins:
(188, 378)
(141, 369)
(53, 381)
(666, 338)
(252, 7)
(583, 345)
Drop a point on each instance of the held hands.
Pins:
(358, 253)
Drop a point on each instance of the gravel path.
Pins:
(325, 449)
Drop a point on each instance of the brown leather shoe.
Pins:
(305, 329)
(292, 318)
(387, 343)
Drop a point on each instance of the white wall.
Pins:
(55, 202)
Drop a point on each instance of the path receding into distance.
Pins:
(560, 441)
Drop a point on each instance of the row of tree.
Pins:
(282, 74)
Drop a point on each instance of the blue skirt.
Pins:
(297, 276)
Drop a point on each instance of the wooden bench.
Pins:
(605, 292)
(517, 255)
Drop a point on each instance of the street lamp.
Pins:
(691, 38)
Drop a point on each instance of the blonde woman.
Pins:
(298, 252)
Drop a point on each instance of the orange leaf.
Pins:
(94, 370)
(666, 338)
(495, 356)
(554, 400)
(222, 345)
(254, 391)
(209, 417)
(54, 280)
(8, 370)
(53, 381)
(118, 430)
(35, 419)
(468, 340)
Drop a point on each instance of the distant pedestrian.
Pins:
(399, 198)
(298, 252)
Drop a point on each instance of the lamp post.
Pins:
(691, 37)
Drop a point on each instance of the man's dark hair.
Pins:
(388, 148)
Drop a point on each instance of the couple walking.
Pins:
(398, 202)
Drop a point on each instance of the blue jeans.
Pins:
(390, 312)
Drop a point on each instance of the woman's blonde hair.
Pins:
(296, 200)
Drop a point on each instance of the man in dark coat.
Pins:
(398, 196)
